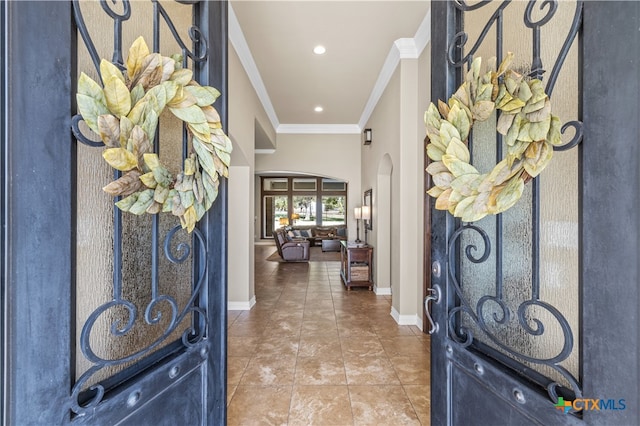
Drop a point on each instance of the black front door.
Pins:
(536, 309)
(107, 318)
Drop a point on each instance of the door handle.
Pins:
(433, 296)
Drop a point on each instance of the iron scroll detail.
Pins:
(152, 316)
(528, 324)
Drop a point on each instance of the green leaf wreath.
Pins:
(125, 113)
(530, 132)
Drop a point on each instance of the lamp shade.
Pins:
(284, 221)
(366, 212)
(295, 216)
(357, 212)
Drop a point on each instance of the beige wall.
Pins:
(244, 110)
(334, 156)
(385, 125)
(398, 147)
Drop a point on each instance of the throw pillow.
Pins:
(291, 234)
(309, 233)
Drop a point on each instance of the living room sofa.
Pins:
(328, 237)
(315, 234)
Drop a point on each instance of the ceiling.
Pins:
(364, 41)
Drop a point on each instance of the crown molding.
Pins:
(406, 48)
(423, 34)
(389, 67)
(265, 151)
(401, 49)
(236, 37)
(319, 129)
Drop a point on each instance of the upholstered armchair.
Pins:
(291, 251)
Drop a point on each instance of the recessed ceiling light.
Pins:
(319, 50)
(318, 109)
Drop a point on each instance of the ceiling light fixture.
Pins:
(318, 109)
(319, 50)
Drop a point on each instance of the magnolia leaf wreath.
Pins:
(530, 132)
(125, 113)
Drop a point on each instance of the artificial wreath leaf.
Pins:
(117, 96)
(206, 160)
(458, 167)
(108, 70)
(459, 150)
(137, 52)
(204, 97)
(125, 185)
(120, 159)
(145, 199)
(459, 119)
(223, 156)
(191, 114)
(182, 77)
(109, 129)
(91, 109)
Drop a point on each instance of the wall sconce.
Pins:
(357, 212)
(368, 136)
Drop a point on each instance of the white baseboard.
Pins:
(406, 319)
(382, 291)
(241, 306)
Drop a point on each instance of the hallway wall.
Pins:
(398, 132)
(245, 112)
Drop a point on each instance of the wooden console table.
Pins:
(356, 263)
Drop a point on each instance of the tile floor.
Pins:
(311, 353)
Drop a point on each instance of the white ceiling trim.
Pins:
(423, 35)
(319, 129)
(406, 48)
(265, 151)
(402, 48)
(236, 37)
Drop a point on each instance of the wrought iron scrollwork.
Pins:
(549, 8)
(527, 323)
(152, 316)
(491, 313)
(163, 310)
(461, 38)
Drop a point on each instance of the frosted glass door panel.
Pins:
(112, 337)
(525, 293)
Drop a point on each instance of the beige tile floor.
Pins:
(311, 353)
